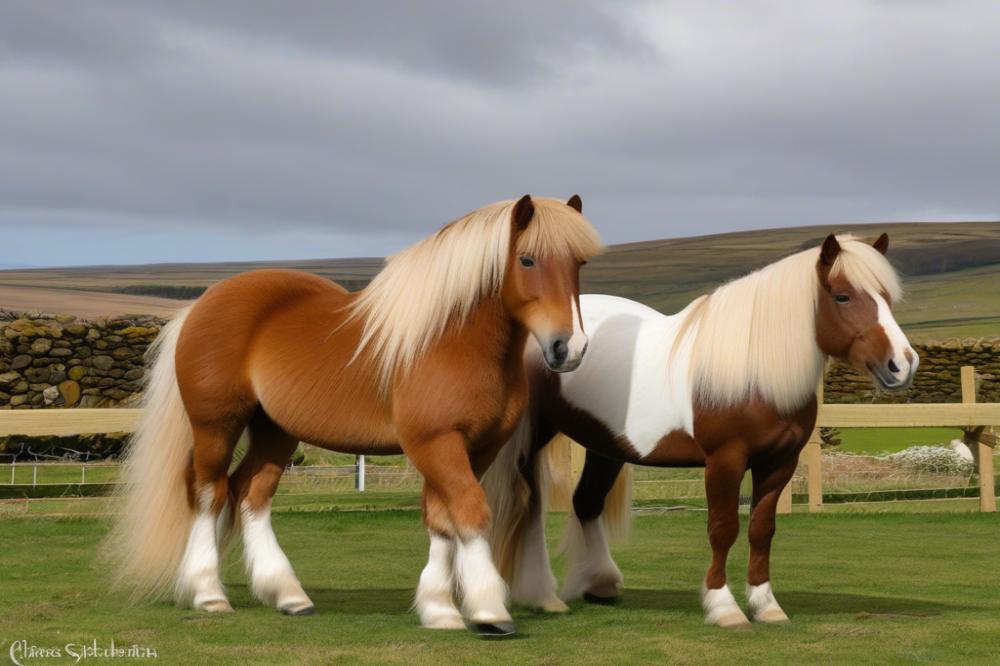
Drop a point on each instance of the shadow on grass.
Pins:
(393, 601)
(798, 603)
(360, 601)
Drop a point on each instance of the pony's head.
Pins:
(854, 321)
(550, 241)
(525, 255)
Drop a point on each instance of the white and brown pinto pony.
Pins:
(728, 384)
(427, 360)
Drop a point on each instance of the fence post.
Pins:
(34, 476)
(785, 499)
(577, 456)
(359, 466)
(984, 453)
(814, 458)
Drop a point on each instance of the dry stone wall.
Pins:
(57, 361)
(937, 379)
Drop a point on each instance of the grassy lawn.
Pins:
(860, 588)
(890, 440)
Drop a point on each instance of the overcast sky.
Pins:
(136, 132)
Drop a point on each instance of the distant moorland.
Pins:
(952, 275)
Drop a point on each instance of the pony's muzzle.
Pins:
(564, 353)
(896, 373)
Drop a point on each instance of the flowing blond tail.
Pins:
(618, 506)
(147, 543)
(509, 495)
(555, 479)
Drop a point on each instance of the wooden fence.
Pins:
(979, 422)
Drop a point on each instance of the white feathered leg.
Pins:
(272, 579)
(763, 606)
(435, 602)
(198, 583)
(592, 571)
(533, 584)
(721, 608)
(484, 594)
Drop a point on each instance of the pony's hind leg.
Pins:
(593, 573)
(722, 486)
(768, 482)
(199, 583)
(533, 583)
(255, 481)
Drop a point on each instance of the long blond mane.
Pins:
(756, 336)
(438, 282)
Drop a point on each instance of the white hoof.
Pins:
(492, 616)
(214, 605)
(721, 609)
(763, 606)
(554, 605)
(604, 583)
(441, 618)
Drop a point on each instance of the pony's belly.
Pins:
(676, 449)
(361, 448)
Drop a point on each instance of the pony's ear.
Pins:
(882, 243)
(523, 211)
(830, 250)
(576, 203)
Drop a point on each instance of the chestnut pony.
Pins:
(426, 360)
(728, 384)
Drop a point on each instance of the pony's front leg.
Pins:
(435, 600)
(593, 573)
(444, 463)
(768, 482)
(722, 487)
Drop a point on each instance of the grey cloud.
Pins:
(366, 125)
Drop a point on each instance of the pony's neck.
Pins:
(497, 333)
(487, 334)
(755, 339)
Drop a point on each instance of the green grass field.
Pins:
(860, 588)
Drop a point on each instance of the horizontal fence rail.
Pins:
(61, 422)
(908, 416)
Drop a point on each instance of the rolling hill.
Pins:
(951, 275)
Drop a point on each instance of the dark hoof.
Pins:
(297, 612)
(492, 629)
(600, 601)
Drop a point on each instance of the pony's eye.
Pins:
(842, 298)
(527, 261)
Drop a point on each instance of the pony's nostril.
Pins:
(893, 367)
(559, 350)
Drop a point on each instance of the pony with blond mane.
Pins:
(728, 384)
(427, 360)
